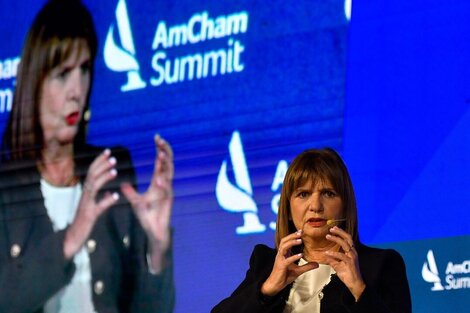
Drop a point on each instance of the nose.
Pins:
(315, 205)
(76, 85)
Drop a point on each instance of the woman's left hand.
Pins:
(346, 262)
(153, 208)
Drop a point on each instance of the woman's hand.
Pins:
(153, 208)
(101, 171)
(345, 263)
(285, 270)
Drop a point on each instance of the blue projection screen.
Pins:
(241, 87)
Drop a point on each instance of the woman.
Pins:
(319, 264)
(69, 242)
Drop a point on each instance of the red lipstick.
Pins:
(72, 118)
(316, 222)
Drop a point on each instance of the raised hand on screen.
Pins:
(101, 171)
(153, 207)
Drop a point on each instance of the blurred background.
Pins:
(241, 87)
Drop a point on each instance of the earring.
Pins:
(87, 115)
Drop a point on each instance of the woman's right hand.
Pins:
(100, 172)
(285, 269)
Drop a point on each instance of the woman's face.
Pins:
(63, 95)
(312, 205)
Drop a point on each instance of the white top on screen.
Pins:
(61, 204)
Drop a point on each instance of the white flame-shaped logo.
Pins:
(347, 9)
(430, 273)
(239, 197)
(123, 59)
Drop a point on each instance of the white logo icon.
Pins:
(430, 273)
(122, 59)
(238, 198)
(347, 9)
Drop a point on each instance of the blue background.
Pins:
(388, 90)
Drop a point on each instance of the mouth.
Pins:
(316, 222)
(72, 118)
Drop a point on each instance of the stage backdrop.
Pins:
(240, 87)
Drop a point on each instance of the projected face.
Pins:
(312, 205)
(63, 96)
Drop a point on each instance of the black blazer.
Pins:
(383, 271)
(32, 274)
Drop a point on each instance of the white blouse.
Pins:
(306, 292)
(61, 204)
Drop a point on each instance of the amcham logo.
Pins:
(123, 58)
(238, 197)
(168, 65)
(430, 272)
(234, 193)
(456, 274)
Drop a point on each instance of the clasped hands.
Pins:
(345, 263)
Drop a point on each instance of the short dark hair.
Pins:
(50, 41)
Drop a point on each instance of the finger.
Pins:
(108, 200)
(100, 171)
(135, 199)
(163, 169)
(289, 237)
(104, 165)
(95, 185)
(334, 263)
(341, 242)
(343, 234)
(285, 248)
(163, 145)
(341, 238)
(99, 159)
(292, 239)
(336, 256)
(130, 193)
(299, 270)
(163, 185)
(292, 259)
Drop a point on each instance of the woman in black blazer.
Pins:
(319, 264)
(75, 236)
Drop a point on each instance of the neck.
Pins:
(55, 152)
(57, 165)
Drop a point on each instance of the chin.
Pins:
(67, 137)
(316, 231)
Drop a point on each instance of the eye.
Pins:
(63, 73)
(329, 193)
(85, 68)
(302, 194)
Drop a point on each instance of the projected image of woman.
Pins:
(319, 264)
(75, 235)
